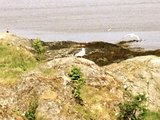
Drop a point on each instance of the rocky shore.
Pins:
(101, 53)
(45, 90)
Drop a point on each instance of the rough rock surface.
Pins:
(63, 103)
(49, 84)
(14, 40)
(141, 75)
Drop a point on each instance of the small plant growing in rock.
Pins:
(77, 81)
(39, 48)
(133, 108)
(30, 114)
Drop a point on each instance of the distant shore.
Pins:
(149, 40)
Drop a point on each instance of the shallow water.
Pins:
(83, 20)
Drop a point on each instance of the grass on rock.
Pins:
(13, 62)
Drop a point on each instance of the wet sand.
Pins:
(83, 20)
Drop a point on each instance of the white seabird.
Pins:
(109, 29)
(81, 53)
(133, 36)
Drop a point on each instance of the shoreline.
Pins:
(149, 39)
(102, 53)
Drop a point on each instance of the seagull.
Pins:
(109, 29)
(135, 37)
(81, 53)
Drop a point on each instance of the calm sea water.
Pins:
(83, 20)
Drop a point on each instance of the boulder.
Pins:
(141, 75)
(48, 87)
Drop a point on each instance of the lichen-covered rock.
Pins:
(49, 85)
(14, 40)
(46, 93)
(141, 75)
(100, 89)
